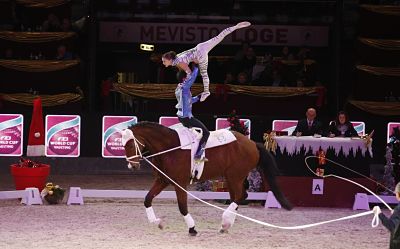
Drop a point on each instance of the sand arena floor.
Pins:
(122, 223)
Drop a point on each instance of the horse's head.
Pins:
(133, 149)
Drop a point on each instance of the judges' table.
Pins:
(354, 153)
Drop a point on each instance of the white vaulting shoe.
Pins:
(243, 25)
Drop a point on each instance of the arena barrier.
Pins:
(76, 195)
(362, 200)
(29, 196)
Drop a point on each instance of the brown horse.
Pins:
(232, 161)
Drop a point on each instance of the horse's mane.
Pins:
(149, 124)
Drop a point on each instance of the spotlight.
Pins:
(146, 47)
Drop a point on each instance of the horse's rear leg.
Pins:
(157, 187)
(182, 204)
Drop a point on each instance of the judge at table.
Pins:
(308, 126)
(342, 127)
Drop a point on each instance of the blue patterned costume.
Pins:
(184, 106)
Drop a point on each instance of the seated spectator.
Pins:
(304, 53)
(265, 76)
(342, 127)
(66, 25)
(63, 54)
(286, 55)
(239, 56)
(52, 24)
(249, 61)
(308, 126)
(300, 83)
(229, 78)
(276, 79)
(242, 78)
(242, 58)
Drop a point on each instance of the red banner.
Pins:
(193, 33)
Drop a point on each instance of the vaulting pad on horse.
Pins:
(188, 137)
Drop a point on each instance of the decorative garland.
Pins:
(38, 65)
(47, 100)
(166, 91)
(35, 37)
(385, 44)
(42, 3)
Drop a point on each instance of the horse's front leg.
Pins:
(182, 203)
(236, 192)
(157, 187)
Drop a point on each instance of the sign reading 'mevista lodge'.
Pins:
(316, 36)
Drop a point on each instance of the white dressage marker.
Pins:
(29, 196)
(362, 200)
(76, 195)
(271, 201)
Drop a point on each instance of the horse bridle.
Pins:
(127, 135)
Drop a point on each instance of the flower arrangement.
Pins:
(53, 194)
(27, 163)
(236, 124)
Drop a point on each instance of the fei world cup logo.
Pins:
(63, 135)
(11, 134)
(112, 138)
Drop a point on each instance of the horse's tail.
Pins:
(268, 165)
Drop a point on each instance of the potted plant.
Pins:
(28, 173)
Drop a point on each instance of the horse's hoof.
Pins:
(225, 226)
(222, 230)
(160, 223)
(192, 231)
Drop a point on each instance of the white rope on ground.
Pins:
(345, 179)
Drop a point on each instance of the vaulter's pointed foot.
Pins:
(243, 25)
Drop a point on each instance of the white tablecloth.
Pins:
(293, 144)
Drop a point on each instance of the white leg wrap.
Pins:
(189, 220)
(228, 217)
(151, 215)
